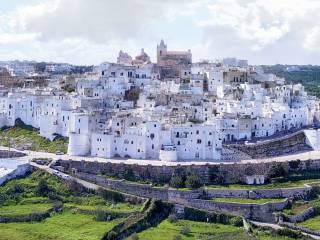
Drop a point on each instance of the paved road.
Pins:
(277, 227)
(62, 175)
(32, 154)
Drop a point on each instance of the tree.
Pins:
(193, 181)
(176, 181)
(277, 170)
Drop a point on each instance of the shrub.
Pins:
(185, 230)
(277, 170)
(290, 233)
(236, 221)
(192, 181)
(172, 218)
(177, 182)
(129, 175)
(102, 215)
(110, 195)
(134, 237)
(42, 189)
(176, 237)
(112, 235)
(57, 206)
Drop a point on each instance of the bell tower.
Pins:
(161, 51)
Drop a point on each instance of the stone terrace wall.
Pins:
(289, 144)
(141, 190)
(20, 171)
(308, 213)
(208, 174)
(10, 154)
(192, 198)
(258, 212)
(300, 192)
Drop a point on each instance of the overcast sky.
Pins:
(93, 31)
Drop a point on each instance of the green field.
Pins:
(77, 218)
(246, 200)
(312, 223)
(64, 226)
(20, 136)
(23, 209)
(39, 192)
(199, 230)
(203, 231)
(119, 207)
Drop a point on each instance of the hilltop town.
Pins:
(135, 149)
(171, 110)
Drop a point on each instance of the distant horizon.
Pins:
(88, 65)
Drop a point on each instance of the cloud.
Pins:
(82, 31)
(312, 40)
(260, 22)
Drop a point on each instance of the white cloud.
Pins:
(260, 22)
(85, 31)
(312, 41)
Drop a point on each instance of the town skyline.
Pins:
(282, 32)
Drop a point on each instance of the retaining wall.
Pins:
(21, 170)
(258, 212)
(192, 198)
(208, 173)
(308, 213)
(299, 192)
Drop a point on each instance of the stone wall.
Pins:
(308, 213)
(192, 198)
(10, 154)
(299, 228)
(209, 173)
(20, 171)
(257, 212)
(288, 144)
(141, 190)
(299, 193)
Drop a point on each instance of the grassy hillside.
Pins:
(76, 219)
(26, 138)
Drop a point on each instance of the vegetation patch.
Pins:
(249, 200)
(311, 223)
(24, 137)
(57, 210)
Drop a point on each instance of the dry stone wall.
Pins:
(258, 212)
(299, 193)
(208, 173)
(308, 213)
(289, 144)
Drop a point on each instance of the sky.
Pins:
(93, 31)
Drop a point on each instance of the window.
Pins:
(197, 132)
(209, 143)
(178, 143)
(199, 141)
(138, 150)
